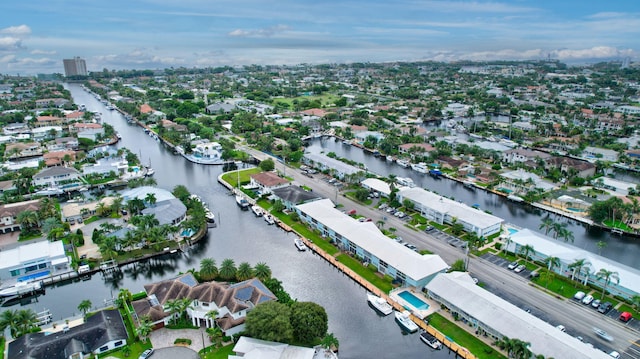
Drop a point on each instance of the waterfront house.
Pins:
(568, 165)
(91, 131)
(42, 121)
(32, 261)
(57, 158)
(334, 167)
(255, 348)
(377, 185)
(101, 332)
(443, 210)
(266, 182)
(9, 212)
(232, 302)
(56, 176)
(420, 149)
(496, 318)
(292, 196)
(22, 149)
(544, 247)
(365, 241)
(523, 155)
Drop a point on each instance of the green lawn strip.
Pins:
(364, 272)
(217, 353)
(451, 330)
(559, 285)
(304, 231)
(232, 177)
(628, 308)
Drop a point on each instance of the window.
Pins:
(31, 268)
(15, 272)
(103, 349)
(118, 343)
(42, 265)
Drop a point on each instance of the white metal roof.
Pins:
(377, 185)
(31, 252)
(332, 163)
(368, 237)
(442, 204)
(494, 312)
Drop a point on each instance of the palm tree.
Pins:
(84, 306)
(8, 320)
(208, 269)
(228, 269)
(578, 266)
(244, 271)
(607, 276)
(215, 335)
(48, 208)
(173, 306)
(552, 262)
(124, 296)
(116, 205)
(566, 234)
(635, 301)
(25, 320)
(183, 305)
(526, 251)
(212, 314)
(28, 219)
(262, 271)
(330, 342)
(546, 224)
(144, 328)
(55, 234)
(150, 198)
(507, 242)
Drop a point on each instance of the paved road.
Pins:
(515, 288)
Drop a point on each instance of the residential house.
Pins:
(523, 155)
(57, 158)
(46, 132)
(292, 196)
(49, 121)
(22, 149)
(219, 108)
(167, 208)
(56, 177)
(51, 102)
(569, 165)
(365, 241)
(419, 149)
(9, 213)
(255, 348)
(593, 154)
(32, 261)
(335, 167)
(90, 131)
(101, 332)
(232, 302)
(266, 182)
(7, 186)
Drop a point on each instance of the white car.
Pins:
(614, 354)
(579, 295)
(587, 299)
(520, 268)
(561, 328)
(513, 265)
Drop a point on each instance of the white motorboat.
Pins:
(405, 181)
(379, 304)
(242, 203)
(269, 219)
(402, 163)
(21, 288)
(300, 244)
(404, 320)
(256, 210)
(513, 197)
(210, 217)
(430, 340)
(419, 167)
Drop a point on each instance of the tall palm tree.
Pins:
(144, 328)
(552, 262)
(208, 269)
(125, 296)
(48, 208)
(578, 266)
(215, 335)
(8, 320)
(546, 224)
(262, 271)
(173, 306)
(330, 342)
(28, 219)
(84, 306)
(566, 235)
(150, 199)
(26, 320)
(55, 234)
(607, 277)
(526, 251)
(244, 272)
(228, 269)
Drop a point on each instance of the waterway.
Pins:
(244, 238)
(621, 249)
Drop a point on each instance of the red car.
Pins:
(625, 316)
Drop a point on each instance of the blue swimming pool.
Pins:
(512, 230)
(413, 300)
(33, 276)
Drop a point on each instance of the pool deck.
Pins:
(415, 311)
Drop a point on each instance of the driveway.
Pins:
(175, 352)
(164, 338)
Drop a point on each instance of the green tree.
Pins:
(459, 266)
(361, 194)
(546, 224)
(84, 306)
(607, 276)
(270, 321)
(26, 320)
(551, 262)
(144, 328)
(526, 251)
(28, 220)
(578, 267)
(228, 269)
(267, 165)
(262, 271)
(208, 269)
(181, 192)
(124, 297)
(330, 342)
(244, 272)
(309, 322)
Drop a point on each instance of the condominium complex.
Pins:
(75, 67)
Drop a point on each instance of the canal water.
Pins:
(242, 237)
(621, 249)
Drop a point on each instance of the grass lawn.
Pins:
(219, 353)
(307, 233)
(364, 272)
(232, 177)
(560, 285)
(627, 308)
(464, 338)
(136, 349)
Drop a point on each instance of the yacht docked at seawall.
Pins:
(419, 167)
(405, 181)
(256, 210)
(404, 320)
(379, 304)
(430, 340)
(300, 244)
(402, 163)
(21, 288)
(242, 203)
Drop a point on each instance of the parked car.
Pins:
(411, 246)
(429, 229)
(534, 274)
(513, 265)
(383, 206)
(605, 307)
(579, 295)
(614, 354)
(146, 354)
(520, 268)
(595, 303)
(587, 299)
(561, 328)
(625, 316)
(351, 212)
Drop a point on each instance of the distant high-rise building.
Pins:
(75, 67)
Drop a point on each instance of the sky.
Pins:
(35, 35)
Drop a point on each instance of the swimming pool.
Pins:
(413, 300)
(512, 230)
(575, 209)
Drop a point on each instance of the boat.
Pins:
(300, 244)
(468, 184)
(210, 217)
(403, 163)
(404, 320)
(390, 159)
(419, 167)
(269, 219)
(242, 203)
(118, 135)
(405, 181)
(379, 304)
(21, 288)
(435, 173)
(513, 197)
(430, 340)
(256, 210)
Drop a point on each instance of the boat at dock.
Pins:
(430, 340)
(269, 219)
(379, 304)
(419, 167)
(514, 198)
(256, 210)
(404, 320)
(405, 181)
(21, 288)
(300, 244)
(211, 219)
(402, 163)
(242, 203)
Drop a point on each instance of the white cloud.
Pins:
(20, 30)
(264, 32)
(43, 52)
(7, 58)
(9, 43)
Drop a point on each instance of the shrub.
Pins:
(182, 341)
